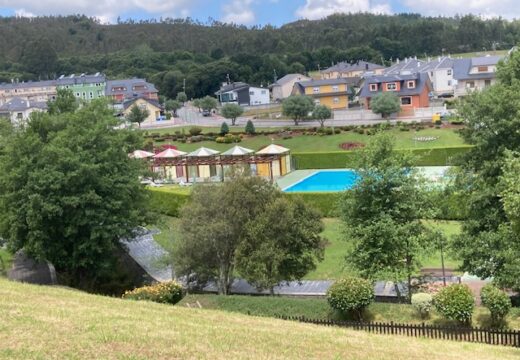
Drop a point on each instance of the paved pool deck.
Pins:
(294, 177)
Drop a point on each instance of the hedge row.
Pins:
(346, 159)
(170, 202)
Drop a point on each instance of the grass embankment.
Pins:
(5, 262)
(44, 323)
(308, 143)
(334, 265)
(318, 308)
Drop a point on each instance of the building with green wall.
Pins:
(84, 87)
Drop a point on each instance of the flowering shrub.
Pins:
(423, 303)
(167, 293)
(497, 302)
(455, 302)
(351, 295)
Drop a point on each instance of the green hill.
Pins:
(56, 323)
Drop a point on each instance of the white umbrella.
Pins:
(141, 154)
(169, 154)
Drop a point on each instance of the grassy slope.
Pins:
(42, 323)
(5, 258)
(404, 140)
(319, 309)
(333, 266)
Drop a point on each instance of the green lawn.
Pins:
(205, 129)
(309, 143)
(318, 308)
(39, 322)
(334, 265)
(5, 262)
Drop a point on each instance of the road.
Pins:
(189, 115)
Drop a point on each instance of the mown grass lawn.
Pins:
(318, 308)
(334, 264)
(5, 262)
(315, 143)
(40, 322)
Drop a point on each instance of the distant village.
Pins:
(342, 86)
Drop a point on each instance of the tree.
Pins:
(137, 115)
(213, 225)
(283, 243)
(297, 107)
(385, 103)
(208, 103)
(232, 111)
(383, 212)
(488, 245)
(250, 128)
(172, 105)
(69, 192)
(65, 102)
(40, 58)
(182, 97)
(196, 103)
(224, 128)
(321, 113)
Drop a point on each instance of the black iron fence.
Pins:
(455, 333)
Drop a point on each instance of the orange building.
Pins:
(413, 90)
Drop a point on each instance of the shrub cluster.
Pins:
(497, 302)
(423, 303)
(166, 293)
(195, 130)
(228, 139)
(351, 295)
(455, 302)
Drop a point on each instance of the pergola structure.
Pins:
(207, 164)
(273, 161)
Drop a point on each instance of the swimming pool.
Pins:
(325, 180)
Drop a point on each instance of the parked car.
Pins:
(206, 113)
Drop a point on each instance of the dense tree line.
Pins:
(167, 51)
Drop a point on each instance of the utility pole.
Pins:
(442, 262)
(184, 85)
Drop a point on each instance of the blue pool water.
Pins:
(325, 180)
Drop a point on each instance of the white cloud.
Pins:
(485, 8)
(106, 10)
(23, 13)
(238, 12)
(318, 9)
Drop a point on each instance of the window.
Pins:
(77, 94)
(482, 69)
(406, 100)
(91, 95)
(373, 87)
(335, 88)
(262, 92)
(19, 116)
(391, 86)
(316, 90)
(470, 84)
(487, 83)
(411, 84)
(449, 71)
(449, 82)
(335, 100)
(251, 93)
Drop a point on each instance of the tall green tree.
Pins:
(386, 104)
(382, 213)
(213, 225)
(137, 115)
(321, 113)
(283, 243)
(297, 107)
(232, 111)
(40, 58)
(69, 192)
(65, 102)
(488, 243)
(208, 103)
(173, 106)
(181, 97)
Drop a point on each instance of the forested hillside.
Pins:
(167, 51)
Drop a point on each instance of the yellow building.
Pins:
(333, 93)
(152, 106)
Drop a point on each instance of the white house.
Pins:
(18, 110)
(283, 87)
(475, 73)
(242, 94)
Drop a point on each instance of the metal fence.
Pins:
(455, 333)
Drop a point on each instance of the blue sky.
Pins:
(251, 12)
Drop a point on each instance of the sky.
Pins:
(253, 12)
